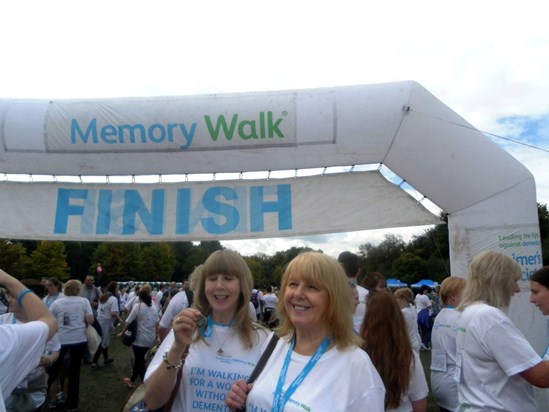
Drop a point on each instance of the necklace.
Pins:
(220, 351)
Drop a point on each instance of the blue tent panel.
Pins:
(427, 282)
(395, 283)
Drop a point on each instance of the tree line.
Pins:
(424, 256)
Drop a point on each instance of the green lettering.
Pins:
(250, 124)
(273, 127)
(221, 124)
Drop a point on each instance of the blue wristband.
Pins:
(20, 297)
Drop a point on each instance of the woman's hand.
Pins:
(184, 325)
(236, 398)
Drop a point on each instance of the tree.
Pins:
(120, 261)
(380, 258)
(49, 259)
(79, 258)
(14, 258)
(158, 261)
(409, 268)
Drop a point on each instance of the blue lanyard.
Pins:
(280, 399)
(545, 353)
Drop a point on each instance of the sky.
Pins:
(487, 60)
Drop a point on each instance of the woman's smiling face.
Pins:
(222, 292)
(305, 303)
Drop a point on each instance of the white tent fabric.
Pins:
(206, 210)
(400, 125)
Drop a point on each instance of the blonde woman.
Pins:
(443, 340)
(496, 364)
(317, 363)
(73, 314)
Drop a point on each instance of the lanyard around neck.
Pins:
(280, 399)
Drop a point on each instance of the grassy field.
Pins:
(103, 390)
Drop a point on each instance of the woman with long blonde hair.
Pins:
(497, 365)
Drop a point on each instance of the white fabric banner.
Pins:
(206, 210)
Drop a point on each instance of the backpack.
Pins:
(255, 299)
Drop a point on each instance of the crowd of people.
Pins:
(345, 342)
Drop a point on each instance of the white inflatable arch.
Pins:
(490, 197)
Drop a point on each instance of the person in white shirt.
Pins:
(107, 314)
(22, 344)
(386, 341)
(495, 364)
(53, 287)
(443, 340)
(73, 314)
(176, 304)
(405, 299)
(317, 364)
(223, 343)
(351, 265)
(147, 315)
(30, 393)
(268, 303)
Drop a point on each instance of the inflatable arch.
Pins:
(490, 198)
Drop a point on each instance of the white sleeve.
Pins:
(22, 345)
(418, 388)
(176, 305)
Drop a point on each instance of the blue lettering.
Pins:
(219, 210)
(65, 209)
(129, 130)
(212, 205)
(126, 133)
(153, 219)
(104, 204)
(91, 130)
(161, 130)
(258, 206)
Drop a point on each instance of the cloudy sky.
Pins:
(487, 60)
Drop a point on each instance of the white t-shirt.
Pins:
(251, 310)
(71, 312)
(269, 300)
(147, 319)
(207, 377)
(177, 303)
(53, 345)
(105, 310)
(22, 345)
(417, 390)
(443, 359)
(491, 352)
(48, 300)
(360, 309)
(410, 316)
(345, 381)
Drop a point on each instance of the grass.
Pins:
(103, 390)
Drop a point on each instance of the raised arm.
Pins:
(31, 304)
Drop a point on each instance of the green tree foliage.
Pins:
(380, 258)
(120, 261)
(14, 258)
(49, 259)
(158, 261)
(409, 268)
(79, 258)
